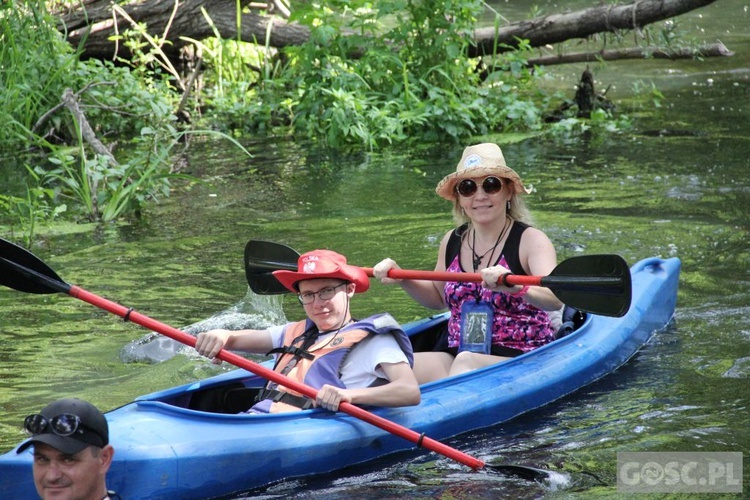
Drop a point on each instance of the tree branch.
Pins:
(717, 49)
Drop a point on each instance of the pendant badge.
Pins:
(476, 327)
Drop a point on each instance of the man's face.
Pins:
(71, 477)
(332, 312)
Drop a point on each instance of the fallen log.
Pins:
(557, 28)
(717, 49)
(94, 24)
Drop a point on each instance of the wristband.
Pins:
(521, 292)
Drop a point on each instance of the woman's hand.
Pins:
(493, 279)
(380, 271)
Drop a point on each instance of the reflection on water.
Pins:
(740, 369)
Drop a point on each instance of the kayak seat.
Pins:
(430, 338)
(572, 319)
(230, 398)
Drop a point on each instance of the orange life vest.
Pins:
(315, 361)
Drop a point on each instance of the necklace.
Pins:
(478, 258)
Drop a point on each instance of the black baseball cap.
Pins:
(93, 430)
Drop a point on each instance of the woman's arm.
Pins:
(538, 258)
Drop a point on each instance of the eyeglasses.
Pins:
(62, 425)
(326, 293)
(468, 187)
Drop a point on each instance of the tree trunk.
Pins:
(97, 21)
(557, 28)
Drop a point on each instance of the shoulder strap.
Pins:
(510, 249)
(305, 340)
(454, 244)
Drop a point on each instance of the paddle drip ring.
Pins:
(127, 315)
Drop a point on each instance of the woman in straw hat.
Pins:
(358, 361)
(489, 322)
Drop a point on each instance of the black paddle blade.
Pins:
(264, 257)
(599, 284)
(521, 472)
(25, 272)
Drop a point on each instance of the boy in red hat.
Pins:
(365, 362)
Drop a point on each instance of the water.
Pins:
(681, 193)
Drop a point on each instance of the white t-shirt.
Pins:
(362, 366)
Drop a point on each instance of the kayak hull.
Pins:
(168, 445)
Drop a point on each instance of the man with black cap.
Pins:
(72, 453)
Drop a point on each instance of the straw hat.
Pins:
(480, 160)
(323, 264)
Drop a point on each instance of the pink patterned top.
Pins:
(517, 324)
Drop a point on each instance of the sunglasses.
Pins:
(62, 425)
(468, 187)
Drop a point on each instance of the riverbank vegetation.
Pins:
(94, 140)
(58, 112)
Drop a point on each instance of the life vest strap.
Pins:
(296, 351)
(301, 402)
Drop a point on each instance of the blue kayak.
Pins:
(189, 442)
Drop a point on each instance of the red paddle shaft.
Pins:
(446, 276)
(239, 361)
(580, 282)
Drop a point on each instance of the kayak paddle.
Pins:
(599, 284)
(25, 272)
